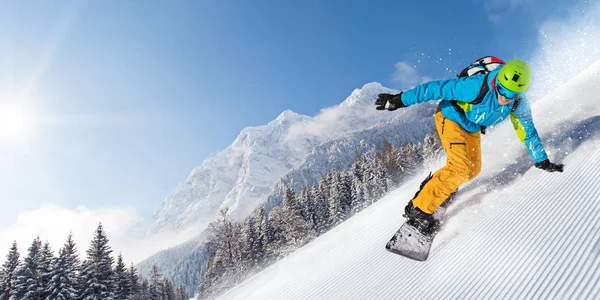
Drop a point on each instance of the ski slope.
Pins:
(515, 232)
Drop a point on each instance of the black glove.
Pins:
(546, 165)
(389, 102)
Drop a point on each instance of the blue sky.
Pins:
(121, 99)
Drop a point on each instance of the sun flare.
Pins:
(15, 121)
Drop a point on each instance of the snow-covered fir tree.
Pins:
(249, 236)
(134, 281)
(264, 236)
(63, 282)
(27, 284)
(222, 271)
(412, 156)
(8, 273)
(45, 270)
(337, 210)
(432, 149)
(168, 292)
(307, 201)
(278, 238)
(181, 293)
(321, 201)
(379, 179)
(96, 280)
(346, 192)
(357, 194)
(368, 180)
(144, 293)
(294, 226)
(253, 250)
(121, 283)
(393, 164)
(155, 285)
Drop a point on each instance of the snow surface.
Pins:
(515, 232)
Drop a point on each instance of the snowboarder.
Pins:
(469, 104)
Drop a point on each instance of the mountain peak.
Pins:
(366, 95)
(287, 115)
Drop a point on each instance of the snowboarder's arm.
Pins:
(523, 124)
(462, 89)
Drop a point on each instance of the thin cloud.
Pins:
(356, 112)
(406, 76)
(53, 224)
(327, 121)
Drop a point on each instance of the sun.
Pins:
(15, 121)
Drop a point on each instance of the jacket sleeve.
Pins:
(461, 89)
(523, 124)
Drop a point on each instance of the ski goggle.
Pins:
(506, 93)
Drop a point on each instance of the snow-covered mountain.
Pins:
(335, 153)
(338, 153)
(515, 232)
(242, 175)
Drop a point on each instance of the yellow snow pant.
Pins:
(463, 151)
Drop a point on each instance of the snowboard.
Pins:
(409, 242)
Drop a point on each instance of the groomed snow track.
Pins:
(537, 238)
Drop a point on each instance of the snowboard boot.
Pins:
(424, 222)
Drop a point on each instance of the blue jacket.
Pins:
(487, 113)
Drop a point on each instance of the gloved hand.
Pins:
(546, 165)
(389, 101)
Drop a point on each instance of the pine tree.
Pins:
(27, 284)
(45, 270)
(340, 198)
(379, 180)
(224, 268)
(290, 202)
(294, 227)
(346, 192)
(304, 205)
(8, 273)
(278, 238)
(122, 283)
(97, 274)
(63, 282)
(335, 207)
(432, 149)
(134, 281)
(144, 293)
(168, 291)
(358, 166)
(368, 179)
(412, 157)
(182, 293)
(321, 208)
(358, 194)
(309, 207)
(155, 286)
(394, 167)
(264, 236)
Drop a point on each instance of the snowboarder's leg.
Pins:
(463, 163)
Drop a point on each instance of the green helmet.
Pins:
(515, 75)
